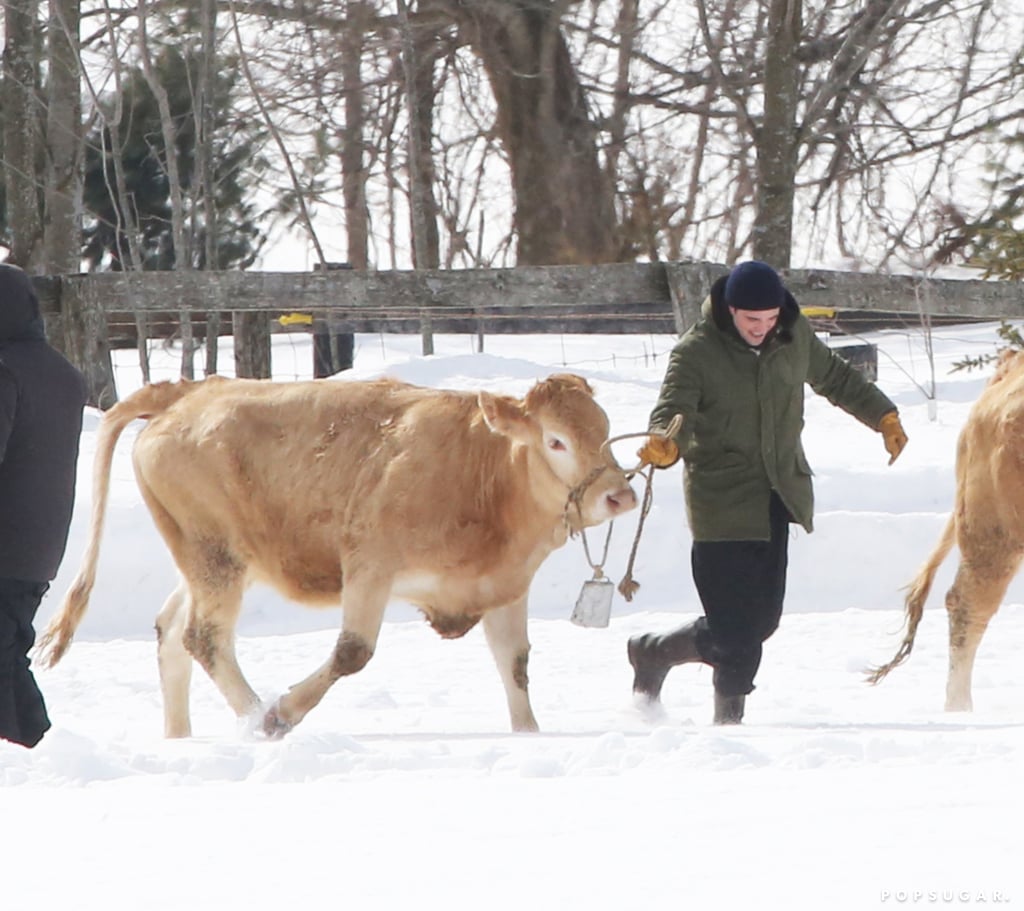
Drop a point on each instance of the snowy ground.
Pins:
(404, 786)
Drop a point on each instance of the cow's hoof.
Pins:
(274, 726)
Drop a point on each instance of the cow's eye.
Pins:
(556, 445)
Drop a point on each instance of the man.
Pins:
(737, 378)
(41, 402)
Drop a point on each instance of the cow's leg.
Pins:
(175, 663)
(209, 635)
(215, 578)
(973, 599)
(505, 629)
(363, 601)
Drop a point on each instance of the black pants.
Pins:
(741, 586)
(23, 717)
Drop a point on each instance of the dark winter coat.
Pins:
(41, 402)
(743, 411)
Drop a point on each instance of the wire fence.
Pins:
(646, 356)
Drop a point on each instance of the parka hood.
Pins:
(19, 307)
(789, 312)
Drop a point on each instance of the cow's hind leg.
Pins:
(363, 601)
(214, 579)
(973, 599)
(175, 663)
(217, 584)
(505, 629)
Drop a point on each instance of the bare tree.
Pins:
(110, 118)
(564, 210)
(22, 131)
(169, 130)
(353, 147)
(417, 66)
(205, 114)
(799, 121)
(776, 138)
(568, 132)
(63, 228)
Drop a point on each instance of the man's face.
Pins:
(754, 325)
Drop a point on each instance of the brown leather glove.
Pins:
(894, 435)
(659, 451)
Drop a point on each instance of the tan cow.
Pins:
(449, 500)
(987, 524)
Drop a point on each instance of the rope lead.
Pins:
(629, 586)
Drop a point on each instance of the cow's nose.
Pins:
(620, 501)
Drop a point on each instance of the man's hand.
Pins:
(894, 435)
(659, 451)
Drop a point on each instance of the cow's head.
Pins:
(565, 431)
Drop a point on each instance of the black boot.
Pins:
(652, 656)
(729, 709)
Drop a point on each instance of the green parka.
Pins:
(743, 412)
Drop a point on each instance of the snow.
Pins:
(405, 786)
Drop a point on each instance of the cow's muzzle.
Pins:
(620, 501)
(611, 503)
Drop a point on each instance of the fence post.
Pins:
(333, 350)
(688, 285)
(86, 342)
(251, 330)
(427, 331)
(334, 344)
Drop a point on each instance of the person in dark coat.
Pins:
(737, 378)
(41, 401)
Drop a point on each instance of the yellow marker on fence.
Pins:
(295, 319)
(819, 312)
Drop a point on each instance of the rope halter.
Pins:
(628, 586)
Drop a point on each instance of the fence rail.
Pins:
(619, 298)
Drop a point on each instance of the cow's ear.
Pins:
(502, 413)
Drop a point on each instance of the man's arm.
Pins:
(845, 386)
(680, 389)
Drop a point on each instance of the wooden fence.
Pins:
(617, 298)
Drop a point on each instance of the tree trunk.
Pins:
(126, 229)
(777, 138)
(86, 344)
(334, 348)
(425, 55)
(21, 132)
(169, 134)
(627, 32)
(418, 63)
(204, 165)
(565, 211)
(62, 240)
(353, 165)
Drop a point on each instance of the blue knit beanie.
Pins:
(754, 285)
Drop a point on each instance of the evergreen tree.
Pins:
(237, 167)
(994, 241)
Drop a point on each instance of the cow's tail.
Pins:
(916, 597)
(147, 402)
